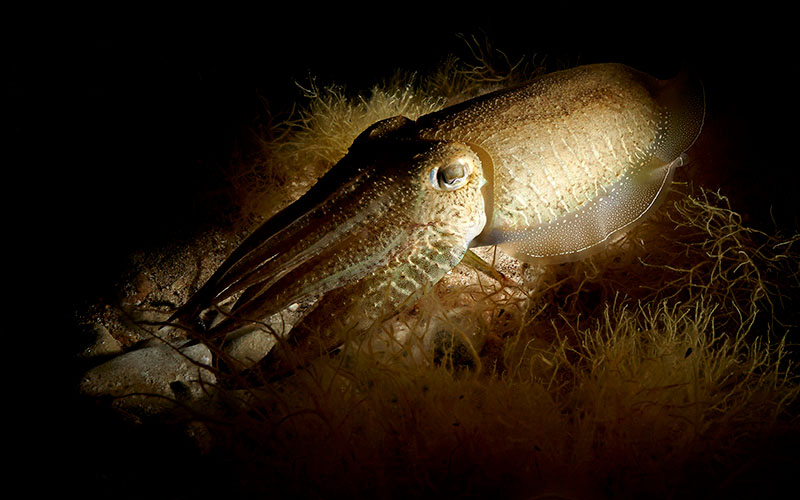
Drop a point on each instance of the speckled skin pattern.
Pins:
(576, 155)
(393, 231)
(568, 161)
(375, 219)
(564, 139)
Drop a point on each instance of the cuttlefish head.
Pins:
(392, 203)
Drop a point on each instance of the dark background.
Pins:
(120, 126)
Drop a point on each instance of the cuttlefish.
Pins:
(549, 171)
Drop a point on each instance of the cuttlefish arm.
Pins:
(398, 211)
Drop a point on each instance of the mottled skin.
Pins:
(397, 237)
(567, 137)
(376, 219)
(572, 159)
(562, 144)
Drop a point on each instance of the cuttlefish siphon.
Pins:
(550, 171)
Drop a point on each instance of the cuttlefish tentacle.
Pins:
(343, 314)
(550, 171)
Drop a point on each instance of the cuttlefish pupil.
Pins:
(452, 176)
(550, 171)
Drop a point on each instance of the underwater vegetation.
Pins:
(660, 365)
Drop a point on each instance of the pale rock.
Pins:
(248, 347)
(103, 343)
(152, 380)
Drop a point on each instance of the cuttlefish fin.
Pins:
(627, 201)
(683, 99)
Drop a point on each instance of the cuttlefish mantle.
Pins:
(578, 156)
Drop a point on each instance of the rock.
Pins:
(249, 347)
(250, 344)
(153, 380)
(103, 343)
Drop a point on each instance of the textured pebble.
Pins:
(249, 347)
(150, 380)
(103, 343)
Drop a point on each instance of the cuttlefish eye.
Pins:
(451, 176)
